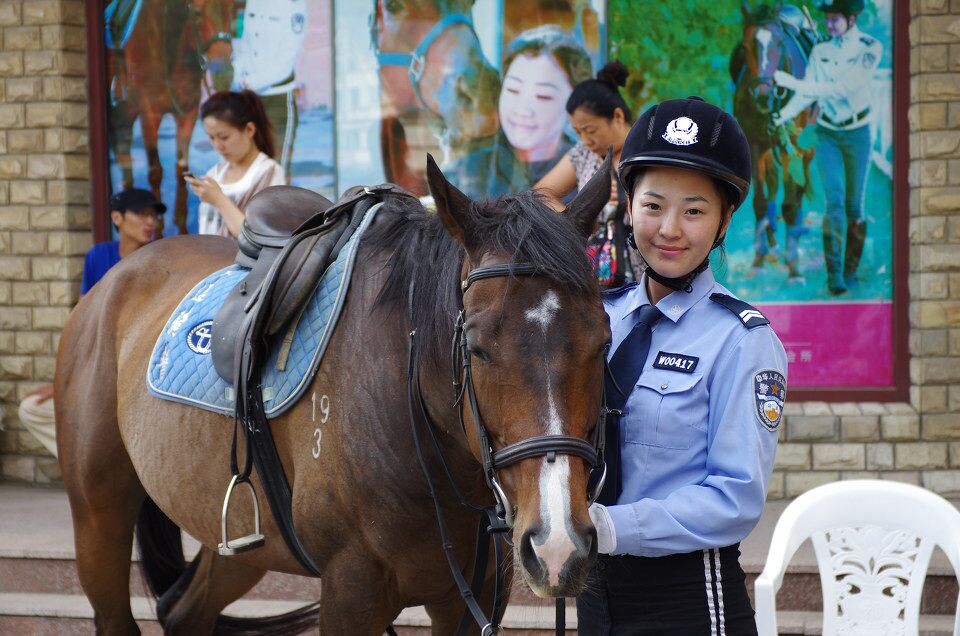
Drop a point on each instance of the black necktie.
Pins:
(625, 367)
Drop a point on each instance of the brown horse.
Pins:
(774, 38)
(435, 83)
(360, 504)
(161, 70)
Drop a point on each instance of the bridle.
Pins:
(193, 12)
(416, 60)
(549, 445)
(499, 518)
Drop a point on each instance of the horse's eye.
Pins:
(480, 353)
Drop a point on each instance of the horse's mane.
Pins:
(423, 253)
(763, 14)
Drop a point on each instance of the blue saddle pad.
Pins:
(181, 365)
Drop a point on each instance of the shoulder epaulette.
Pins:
(619, 291)
(747, 313)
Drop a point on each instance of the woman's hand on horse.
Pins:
(206, 188)
(782, 78)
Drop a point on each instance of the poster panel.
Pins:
(481, 85)
(164, 58)
(812, 246)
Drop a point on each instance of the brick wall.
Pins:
(44, 205)
(45, 221)
(917, 442)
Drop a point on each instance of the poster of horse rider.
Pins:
(165, 58)
(811, 84)
(480, 84)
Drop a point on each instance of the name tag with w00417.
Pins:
(675, 362)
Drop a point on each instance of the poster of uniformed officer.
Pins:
(811, 84)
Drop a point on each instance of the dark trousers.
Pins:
(694, 594)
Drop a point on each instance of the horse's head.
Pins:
(212, 23)
(763, 51)
(430, 58)
(534, 339)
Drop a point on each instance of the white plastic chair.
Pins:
(873, 541)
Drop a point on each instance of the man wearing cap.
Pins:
(838, 80)
(134, 213)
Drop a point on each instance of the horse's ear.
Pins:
(453, 206)
(585, 208)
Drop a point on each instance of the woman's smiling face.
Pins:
(532, 101)
(677, 216)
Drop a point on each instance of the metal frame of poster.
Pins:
(493, 39)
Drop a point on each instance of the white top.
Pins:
(210, 219)
(840, 78)
(265, 57)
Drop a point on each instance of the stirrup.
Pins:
(242, 544)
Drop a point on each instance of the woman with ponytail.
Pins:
(242, 135)
(601, 119)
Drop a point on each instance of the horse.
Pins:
(535, 344)
(162, 69)
(436, 87)
(773, 39)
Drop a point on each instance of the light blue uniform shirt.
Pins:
(697, 438)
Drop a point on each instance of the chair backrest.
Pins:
(873, 540)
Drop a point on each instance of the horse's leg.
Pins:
(793, 218)
(217, 582)
(150, 125)
(185, 126)
(763, 167)
(105, 497)
(357, 597)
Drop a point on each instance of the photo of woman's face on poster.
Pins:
(476, 83)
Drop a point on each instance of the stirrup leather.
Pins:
(253, 541)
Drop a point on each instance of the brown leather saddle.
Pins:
(289, 237)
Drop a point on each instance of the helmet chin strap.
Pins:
(681, 283)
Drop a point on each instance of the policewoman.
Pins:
(698, 378)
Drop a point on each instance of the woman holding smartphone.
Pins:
(242, 135)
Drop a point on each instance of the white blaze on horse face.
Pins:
(558, 544)
(764, 37)
(542, 315)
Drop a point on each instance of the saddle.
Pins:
(285, 268)
(289, 237)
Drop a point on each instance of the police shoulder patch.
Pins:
(769, 393)
(747, 313)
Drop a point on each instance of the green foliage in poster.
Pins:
(675, 48)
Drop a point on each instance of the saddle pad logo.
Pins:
(682, 131)
(770, 391)
(675, 362)
(200, 337)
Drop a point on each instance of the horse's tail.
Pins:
(167, 575)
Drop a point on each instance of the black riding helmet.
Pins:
(687, 133)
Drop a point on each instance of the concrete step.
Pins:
(66, 615)
(37, 560)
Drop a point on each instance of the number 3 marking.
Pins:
(324, 416)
